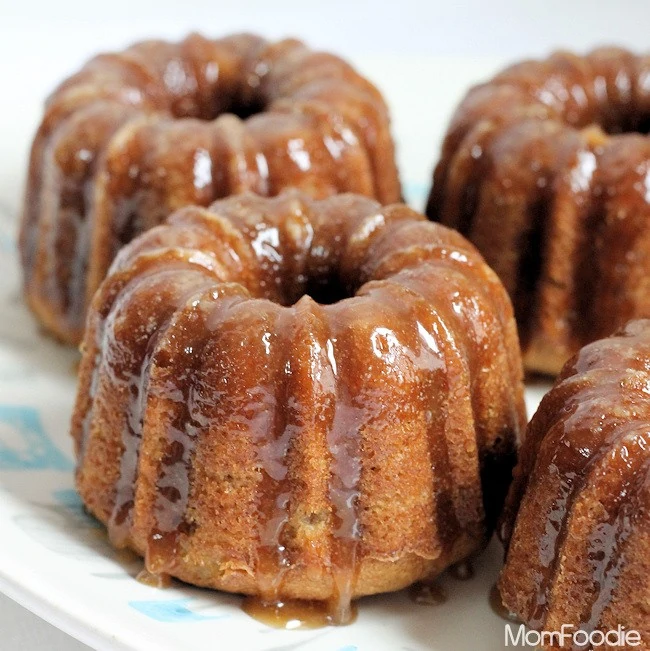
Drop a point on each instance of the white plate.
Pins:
(56, 560)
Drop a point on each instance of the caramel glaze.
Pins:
(242, 436)
(292, 614)
(540, 171)
(135, 135)
(576, 521)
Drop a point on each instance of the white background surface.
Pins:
(41, 42)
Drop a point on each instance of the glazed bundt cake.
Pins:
(135, 135)
(577, 522)
(540, 170)
(301, 399)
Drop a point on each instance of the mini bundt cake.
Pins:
(541, 171)
(294, 398)
(135, 135)
(577, 522)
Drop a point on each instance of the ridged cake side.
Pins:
(244, 437)
(538, 172)
(576, 521)
(135, 135)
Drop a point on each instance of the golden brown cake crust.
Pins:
(242, 436)
(576, 523)
(137, 134)
(542, 170)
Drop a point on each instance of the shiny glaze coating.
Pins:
(135, 135)
(577, 521)
(540, 170)
(242, 436)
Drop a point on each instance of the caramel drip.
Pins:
(571, 198)
(533, 249)
(459, 330)
(63, 278)
(71, 165)
(87, 418)
(112, 295)
(138, 370)
(615, 275)
(433, 344)
(555, 533)
(75, 290)
(44, 182)
(607, 544)
(497, 457)
(119, 524)
(520, 224)
(187, 422)
(113, 219)
(586, 270)
(272, 431)
(576, 473)
(77, 205)
(477, 164)
(344, 439)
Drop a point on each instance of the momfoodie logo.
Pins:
(570, 637)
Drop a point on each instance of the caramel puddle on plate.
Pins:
(292, 614)
(154, 580)
(463, 571)
(427, 594)
(496, 604)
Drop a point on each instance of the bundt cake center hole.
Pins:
(297, 256)
(632, 122)
(217, 105)
(326, 292)
(244, 109)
